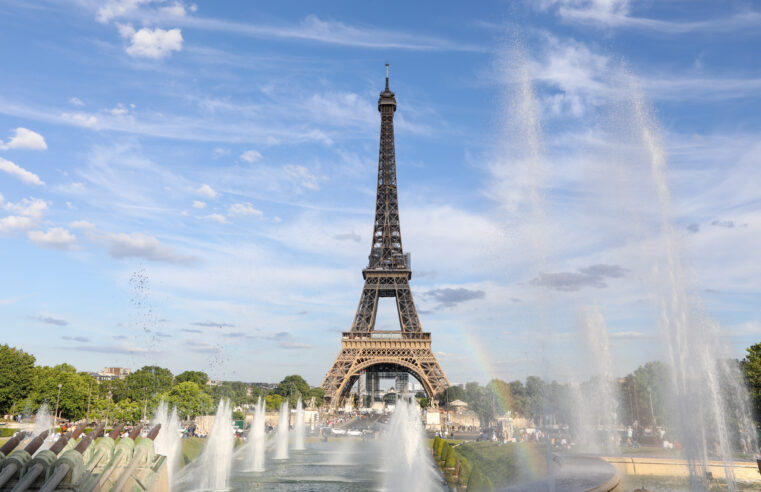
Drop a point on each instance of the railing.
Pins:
(385, 335)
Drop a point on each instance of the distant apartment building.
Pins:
(111, 373)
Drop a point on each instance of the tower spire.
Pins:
(386, 250)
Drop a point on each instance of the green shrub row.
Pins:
(447, 457)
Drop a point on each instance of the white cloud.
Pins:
(112, 9)
(82, 224)
(55, 238)
(81, 119)
(176, 10)
(25, 139)
(216, 218)
(206, 191)
(151, 43)
(301, 174)
(251, 156)
(199, 204)
(244, 209)
(76, 101)
(28, 213)
(615, 14)
(138, 245)
(118, 110)
(19, 172)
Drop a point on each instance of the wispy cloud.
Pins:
(54, 238)
(17, 171)
(314, 29)
(50, 320)
(449, 297)
(213, 324)
(591, 276)
(616, 14)
(139, 245)
(76, 339)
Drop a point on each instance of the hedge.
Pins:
(478, 482)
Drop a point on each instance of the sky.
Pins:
(192, 184)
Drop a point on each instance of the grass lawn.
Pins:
(506, 464)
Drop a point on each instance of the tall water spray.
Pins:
(298, 427)
(168, 442)
(694, 345)
(255, 444)
(43, 421)
(407, 462)
(281, 439)
(595, 402)
(212, 471)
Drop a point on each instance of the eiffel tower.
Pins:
(365, 349)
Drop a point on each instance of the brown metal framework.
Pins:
(387, 275)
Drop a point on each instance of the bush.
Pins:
(445, 450)
(436, 446)
(440, 451)
(451, 459)
(478, 482)
(464, 473)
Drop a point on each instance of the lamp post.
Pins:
(652, 413)
(108, 408)
(145, 402)
(57, 399)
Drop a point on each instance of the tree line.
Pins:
(24, 387)
(644, 396)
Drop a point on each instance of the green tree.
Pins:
(74, 390)
(147, 382)
(518, 393)
(117, 387)
(504, 397)
(16, 370)
(293, 387)
(198, 377)
(273, 402)
(451, 394)
(126, 411)
(319, 395)
(189, 400)
(751, 369)
(534, 402)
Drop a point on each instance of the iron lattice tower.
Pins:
(387, 275)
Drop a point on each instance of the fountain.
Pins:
(406, 458)
(168, 442)
(695, 347)
(596, 403)
(298, 427)
(253, 452)
(212, 468)
(281, 439)
(43, 421)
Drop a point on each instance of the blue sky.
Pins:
(192, 184)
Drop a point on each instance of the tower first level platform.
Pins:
(383, 351)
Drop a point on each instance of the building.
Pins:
(111, 373)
